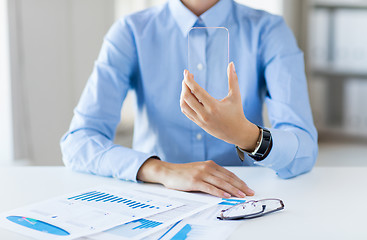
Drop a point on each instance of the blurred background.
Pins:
(48, 47)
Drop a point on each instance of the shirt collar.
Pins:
(213, 17)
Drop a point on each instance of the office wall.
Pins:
(53, 46)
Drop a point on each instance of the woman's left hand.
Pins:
(224, 118)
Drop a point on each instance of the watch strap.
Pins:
(262, 149)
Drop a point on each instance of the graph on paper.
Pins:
(85, 213)
(134, 228)
(143, 227)
(194, 231)
(203, 225)
(188, 231)
(128, 204)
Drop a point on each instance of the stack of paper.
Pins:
(108, 213)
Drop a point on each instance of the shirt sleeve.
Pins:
(88, 145)
(294, 135)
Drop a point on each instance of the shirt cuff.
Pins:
(123, 162)
(285, 146)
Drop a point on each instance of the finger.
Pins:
(236, 181)
(233, 86)
(224, 185)
(212, 190)
(242, 190)
(202, 95)
(186, 109)
(190, 99)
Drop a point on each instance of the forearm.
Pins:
(89, 151)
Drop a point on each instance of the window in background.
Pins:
(53, 45)
(6, 129)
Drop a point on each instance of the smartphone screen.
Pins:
(208, 58)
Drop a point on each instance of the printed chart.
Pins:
(134, 228)
(85, 213)
(140, 228)
(203, 225)
(188, 231)
(131, 205)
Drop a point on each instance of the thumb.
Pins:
(233, 86)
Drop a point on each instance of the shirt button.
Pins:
(199, 136)
(200, 66)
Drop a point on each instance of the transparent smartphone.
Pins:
(208, 58)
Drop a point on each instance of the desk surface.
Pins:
(327, 203)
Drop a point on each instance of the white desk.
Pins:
(328, 203)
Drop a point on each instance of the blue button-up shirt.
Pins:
(146, 52)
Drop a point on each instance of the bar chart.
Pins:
(133, 228)
(151, 225)
(97, 196)
(145, 223)
(128, 202)
(190, 231)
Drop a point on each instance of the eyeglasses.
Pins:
(252, 209)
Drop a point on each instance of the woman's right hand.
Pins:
(206, 177)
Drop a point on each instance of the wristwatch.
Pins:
(263, 146)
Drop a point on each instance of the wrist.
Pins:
(248, 137)
(153, 170)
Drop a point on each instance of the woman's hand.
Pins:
(205, 177)
(224, 118)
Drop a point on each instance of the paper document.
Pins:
(84, 213)
(137, 229)
(201, 226)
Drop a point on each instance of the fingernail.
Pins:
(227, 195)
(241, 194)
(233, 68)
(251, 191)
(185, 73)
